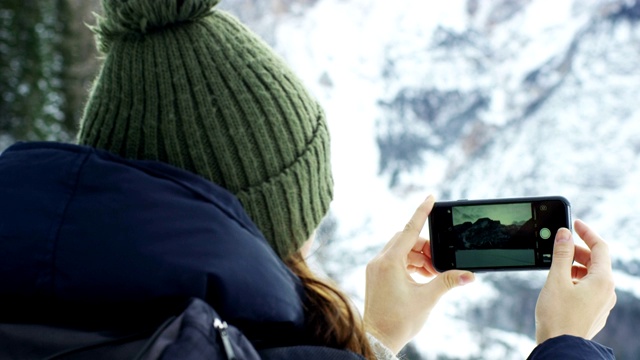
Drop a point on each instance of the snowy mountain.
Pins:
(474, 99)
(471, 99)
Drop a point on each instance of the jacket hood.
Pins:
(87, 236)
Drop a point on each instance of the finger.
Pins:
(427, 253)
(422, 271)
(409, 236)
(446, 281)
(430, 269)
(578, 272)
(582, 256)
(584, 231)
(426, 248)
(420, 244)
(420, 260)
(563, 252)
(599, 248)
(417, 259)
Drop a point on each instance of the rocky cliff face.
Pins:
(491, 234)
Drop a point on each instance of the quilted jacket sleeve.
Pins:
(568, 347)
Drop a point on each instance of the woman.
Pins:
(221, 173)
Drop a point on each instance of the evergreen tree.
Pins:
(45, 65)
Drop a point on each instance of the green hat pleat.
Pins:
(151, 148)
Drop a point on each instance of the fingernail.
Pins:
(429, 197)
(563, 236)
(465, 279)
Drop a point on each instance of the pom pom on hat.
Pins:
(194, 88)
(134, 17)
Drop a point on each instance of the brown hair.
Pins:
(330, 315)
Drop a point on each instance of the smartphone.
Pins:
(496, 234)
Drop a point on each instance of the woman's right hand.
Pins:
(396, 306)
(576, 298)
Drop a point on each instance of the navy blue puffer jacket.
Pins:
(90, 239)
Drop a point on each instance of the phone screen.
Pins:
(496, 234)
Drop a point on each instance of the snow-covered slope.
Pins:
(476, 99)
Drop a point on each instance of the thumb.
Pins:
(563, 253)
(449, 280)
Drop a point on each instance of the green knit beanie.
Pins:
(187, 84)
